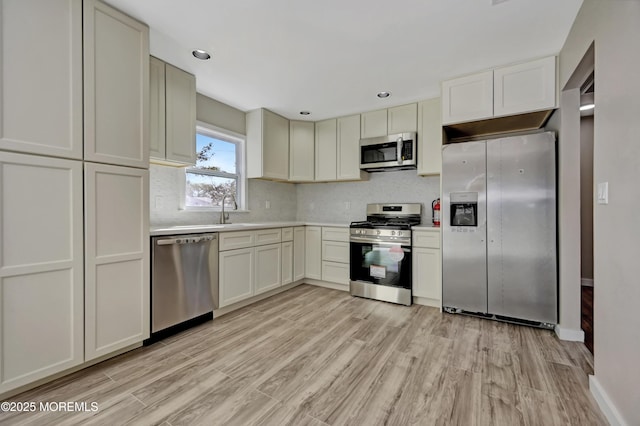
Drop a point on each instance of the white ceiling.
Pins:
(331, 57)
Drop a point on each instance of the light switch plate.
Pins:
(603, 193)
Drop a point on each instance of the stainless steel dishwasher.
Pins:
(184, 281)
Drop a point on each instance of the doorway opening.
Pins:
(587, 111)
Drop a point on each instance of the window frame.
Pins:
(241, 183)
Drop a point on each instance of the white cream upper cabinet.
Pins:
(41, 267)
(41, 77)
(116, 87)
(301, 151)
(402, 119)
(430, 137)
(267, 145)
(373, 124)
(326, 150)
(180, 117)
(467, 98)
(116, 258)
(313, 252)
(157, 139)
(348, 148)
(525, 87)
(298, 252)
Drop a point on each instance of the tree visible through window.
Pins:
(215, 174)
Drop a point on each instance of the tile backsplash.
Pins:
(347, 201)
(340, 202)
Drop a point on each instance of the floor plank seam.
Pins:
(138, 399)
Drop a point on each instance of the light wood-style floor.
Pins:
(314, 356)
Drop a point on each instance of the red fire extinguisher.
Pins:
(435, 206)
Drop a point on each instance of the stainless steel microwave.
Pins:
(385, 153)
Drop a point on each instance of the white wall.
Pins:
(325, 202)
(614, 25)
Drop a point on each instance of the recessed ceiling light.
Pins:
(305, 113)
(201, 54)
(587, 107)
(383, 95)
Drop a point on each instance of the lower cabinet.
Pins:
(335, 255)
(41, 268)
(313, 252)
(116, 258)
(255, 262)
(298, 253)
(237, 275)
(268, 268)
(427, 282)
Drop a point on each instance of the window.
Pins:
(217, 172)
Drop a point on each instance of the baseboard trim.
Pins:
(569, 334)
(587, 282)
(327, 284)
(604, 402)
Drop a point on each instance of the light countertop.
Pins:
(193, 229)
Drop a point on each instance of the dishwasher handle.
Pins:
(187, 239)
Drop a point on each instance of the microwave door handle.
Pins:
(399, 150)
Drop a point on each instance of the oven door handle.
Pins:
(375, 241)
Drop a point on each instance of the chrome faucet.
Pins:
(225, 217)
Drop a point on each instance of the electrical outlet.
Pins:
(158, 202)
(347, 205)
(267, 204)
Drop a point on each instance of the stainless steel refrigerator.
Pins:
(499, 228)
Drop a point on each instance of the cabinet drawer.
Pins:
(268, 236)
(335, 272)
(236, 240)
(287, 234)
(430, 239)
(335, 251)
(335, 234)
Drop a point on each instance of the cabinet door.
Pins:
(467, 98)
(348, 166)
(180, 115)
(116, 258)
(298, 252)
(373, 124)
(156, 109)
(236, 275)
(334, 251)
(430, 137)
(525, 87)
(402, 119)
(41, 277)
(426, 275)
(268, 267)
(287, 262)
(275, 152)
(313, 252)
(326, 150)
(301, 151)
(335, 272)
(116, 87)
(41, 94)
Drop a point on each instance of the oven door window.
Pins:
(380, 263)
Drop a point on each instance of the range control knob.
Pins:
(393, 232)
(378, 232)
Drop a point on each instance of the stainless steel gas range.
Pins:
(380, 252)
